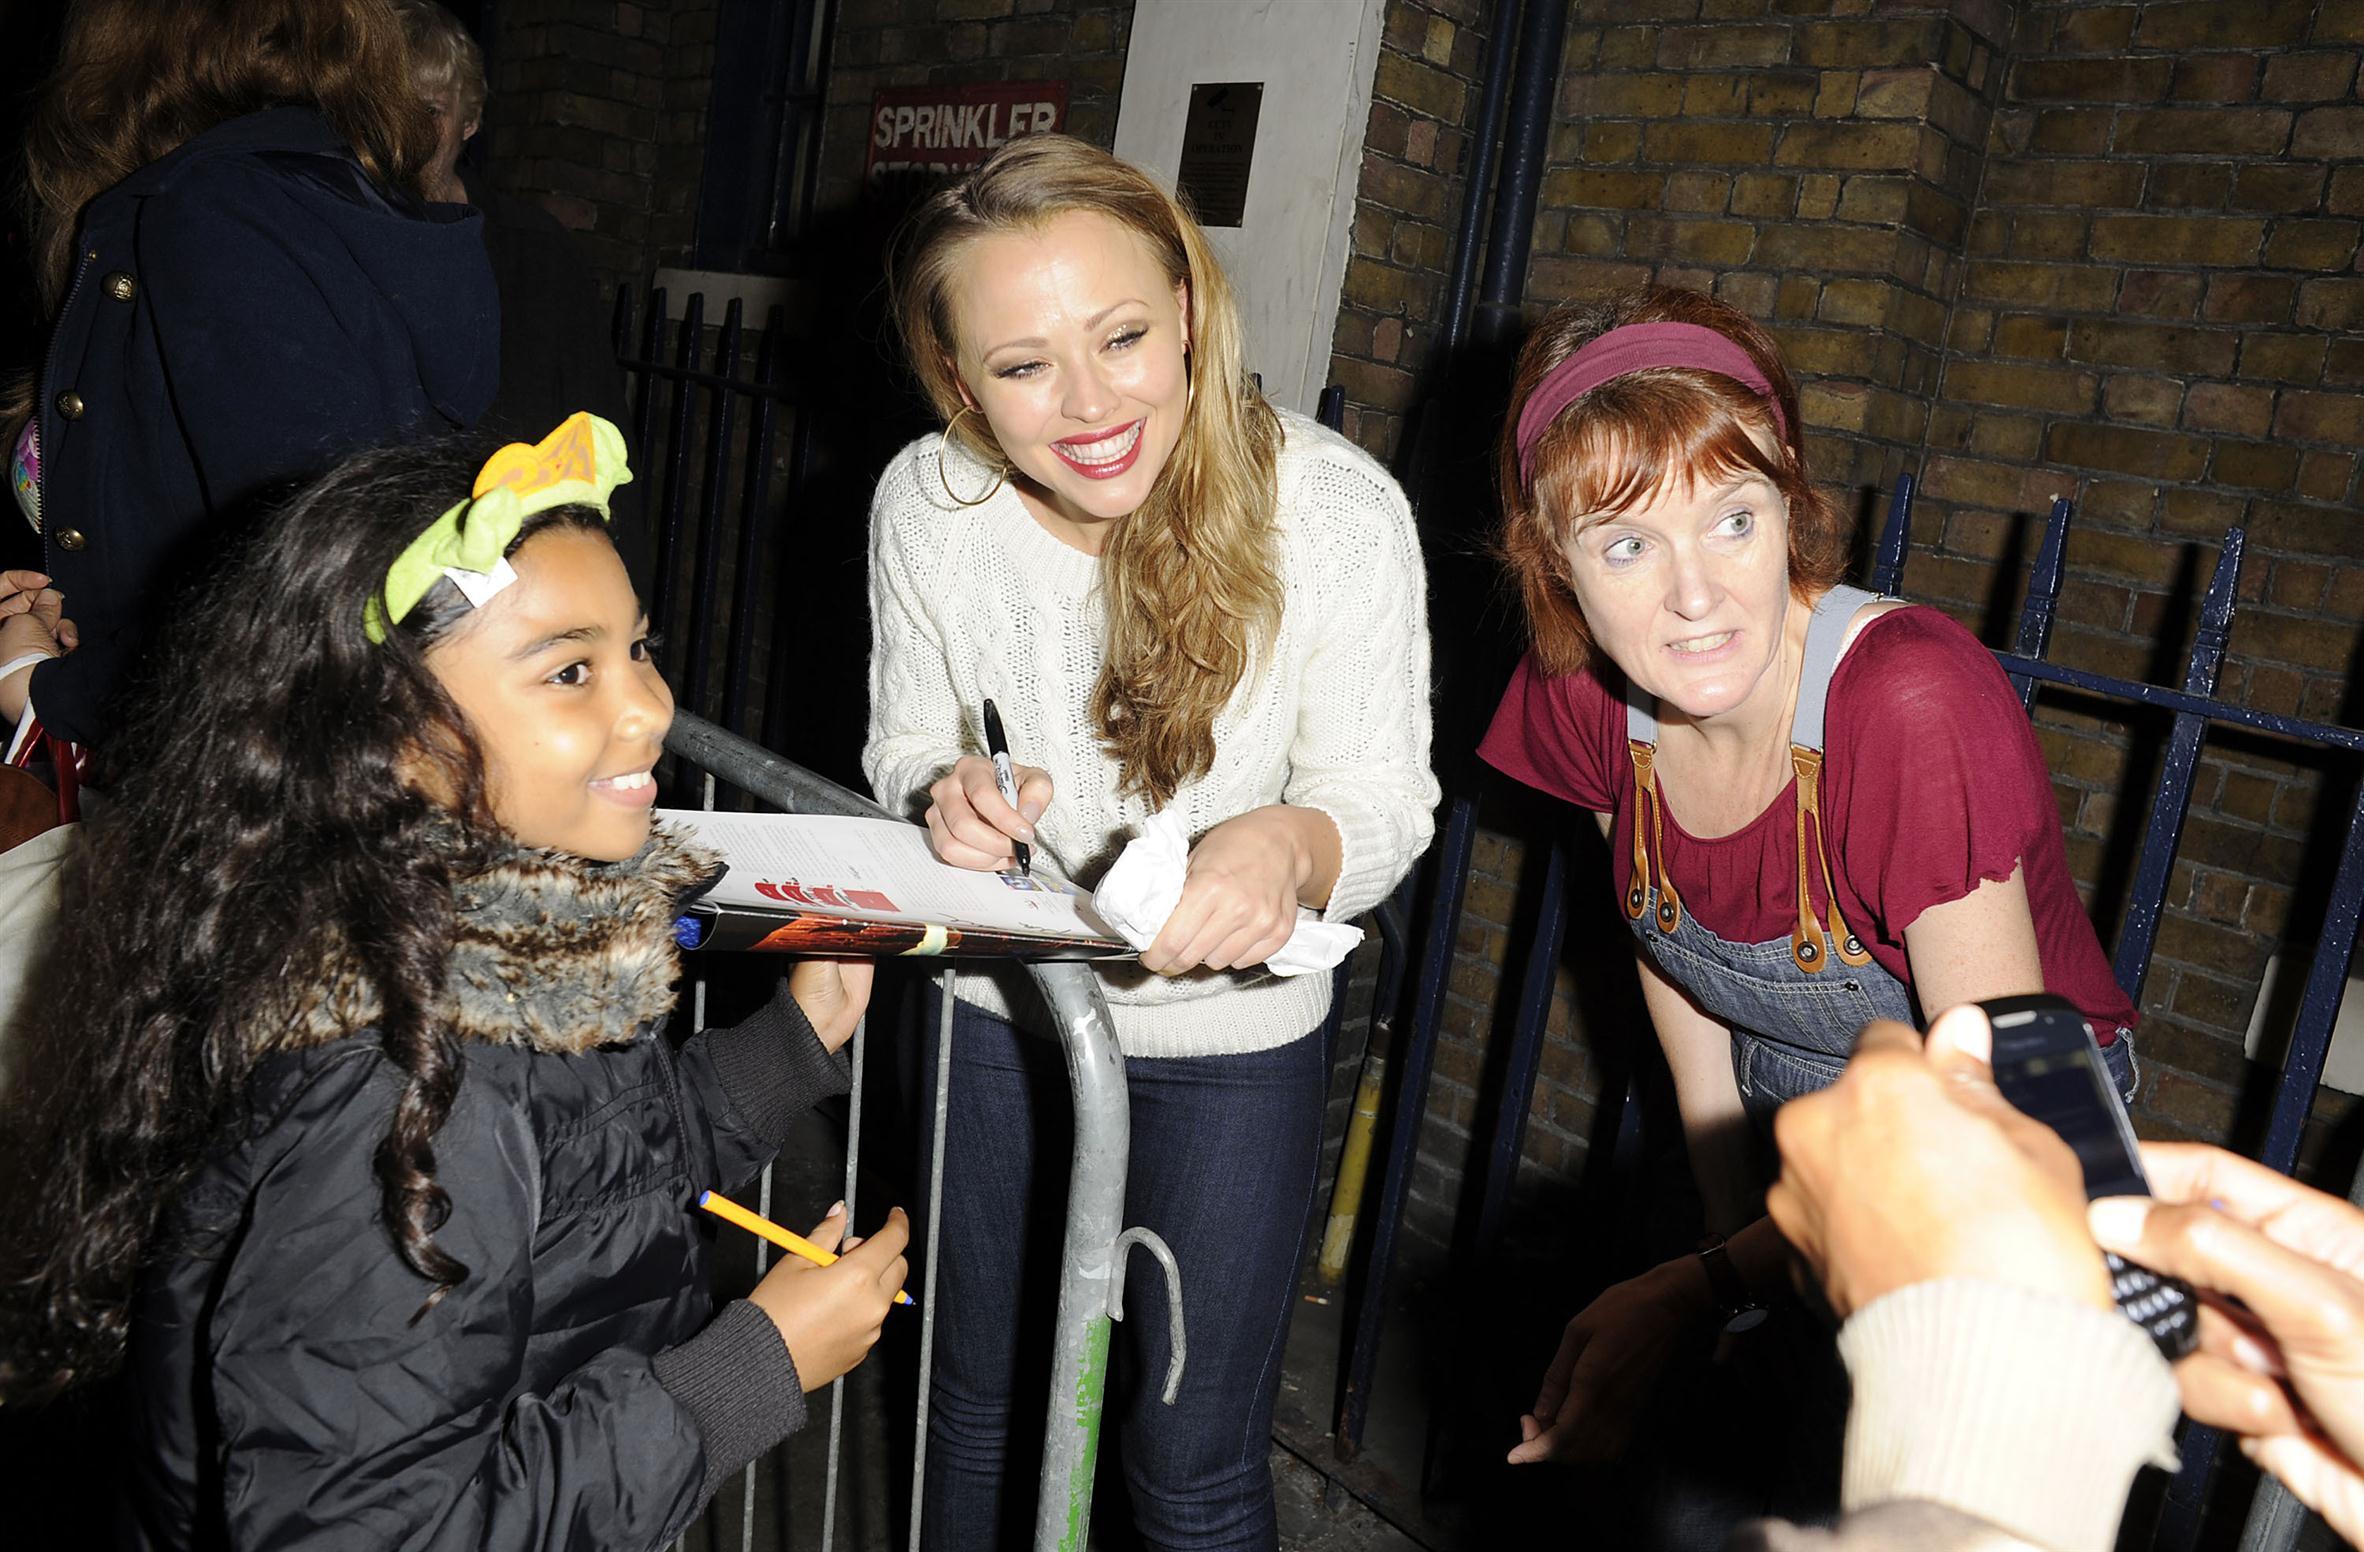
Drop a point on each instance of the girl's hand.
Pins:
(1609, 1358)
(832, 993)
(32, 619)
(968, 823)
(1239, 895)
(830, 1315)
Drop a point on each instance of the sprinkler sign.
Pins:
(936, 130)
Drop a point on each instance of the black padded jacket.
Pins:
(290, 1384)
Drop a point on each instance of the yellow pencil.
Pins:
(796, 1244)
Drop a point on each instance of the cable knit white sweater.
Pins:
(974, 602)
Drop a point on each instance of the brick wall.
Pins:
(1424, 98)
(2105, 251)
(598, 111)
(1815, 173)
(2159, 319)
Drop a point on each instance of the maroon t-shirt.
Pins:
(1931, 778)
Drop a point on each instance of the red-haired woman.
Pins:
(1823, 807)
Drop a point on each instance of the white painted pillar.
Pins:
(1287, 258)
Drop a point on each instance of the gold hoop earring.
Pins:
(943, 477)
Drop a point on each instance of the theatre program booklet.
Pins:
(822, 884)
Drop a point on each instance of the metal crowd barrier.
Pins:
(1092, 1259)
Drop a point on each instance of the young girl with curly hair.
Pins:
(361, 1152)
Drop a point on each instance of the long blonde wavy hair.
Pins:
(1190, 582)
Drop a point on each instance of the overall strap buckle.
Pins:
(1670, 904)
(1812, 942)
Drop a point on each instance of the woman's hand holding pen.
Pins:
(969, 824)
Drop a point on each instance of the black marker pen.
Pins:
(1005, 776)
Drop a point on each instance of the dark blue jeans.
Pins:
(1224, 1155)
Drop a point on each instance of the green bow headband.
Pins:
(579, 464)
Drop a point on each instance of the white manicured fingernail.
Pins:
(1965, 1029)
(836, 1211)
(2250, 1354)
(2116, 1221)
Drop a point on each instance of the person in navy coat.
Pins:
(252, 301)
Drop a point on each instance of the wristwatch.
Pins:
(1736, 1308)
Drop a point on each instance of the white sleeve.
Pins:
(914, 734)
(1360, 752)
(2027, 1410)
(31, 718)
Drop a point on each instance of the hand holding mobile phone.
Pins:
(2049, 1066)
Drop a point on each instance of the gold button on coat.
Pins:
(69, 404)
(122, 287)
(70, 539)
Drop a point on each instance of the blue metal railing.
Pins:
(2139, 933)
(2194, 709)
(2034, 637)
(1896, 537)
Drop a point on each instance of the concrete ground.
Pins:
(1371, 1504)
(1310, 1524)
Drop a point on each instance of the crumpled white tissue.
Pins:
(1141, 889)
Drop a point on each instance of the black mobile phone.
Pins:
(2048, 1064)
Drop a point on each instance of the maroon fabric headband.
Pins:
(1635, 348)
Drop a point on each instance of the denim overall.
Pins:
(1754, 1431)
(1796, 1004)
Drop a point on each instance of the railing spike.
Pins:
(2043, 595)
(1896, 537)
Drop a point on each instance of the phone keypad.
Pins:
(2162, 1306)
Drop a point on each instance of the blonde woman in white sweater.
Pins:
(1178, 598)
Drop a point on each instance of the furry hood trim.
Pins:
(552, 953)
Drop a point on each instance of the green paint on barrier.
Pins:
(1091, 1392)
